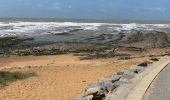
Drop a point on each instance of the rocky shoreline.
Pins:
(138, 41)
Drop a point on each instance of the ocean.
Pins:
(75, 30)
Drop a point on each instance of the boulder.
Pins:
(96, 91)
(108, 83)
(126, 78)
(127, 72)
(145, 64)
(111, 79)
(92, 89)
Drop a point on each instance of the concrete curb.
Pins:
(139, 90)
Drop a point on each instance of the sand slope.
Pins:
(60, 77)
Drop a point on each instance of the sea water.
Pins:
(51, 27)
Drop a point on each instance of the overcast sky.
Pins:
(87, 9)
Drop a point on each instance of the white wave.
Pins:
(30, 28)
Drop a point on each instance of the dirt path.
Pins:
(62, 78)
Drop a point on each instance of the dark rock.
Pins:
(150, 39)
(136, 70)
(99, 97)
(143, 64)
(154, 59)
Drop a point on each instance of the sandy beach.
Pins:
(61, 77)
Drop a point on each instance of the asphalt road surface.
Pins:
(160, 88)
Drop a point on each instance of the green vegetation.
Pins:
(80, 54)
(93, 49)
(104, 55)
(8, 77)
(56, 51)
(97, 56)
(135, 49)
(40, 52)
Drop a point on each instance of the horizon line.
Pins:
(86, 19)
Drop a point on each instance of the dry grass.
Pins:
(8, 77)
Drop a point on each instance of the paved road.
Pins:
(160, 88)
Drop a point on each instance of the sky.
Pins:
(87, 9)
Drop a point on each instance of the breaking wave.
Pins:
(39, 28)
